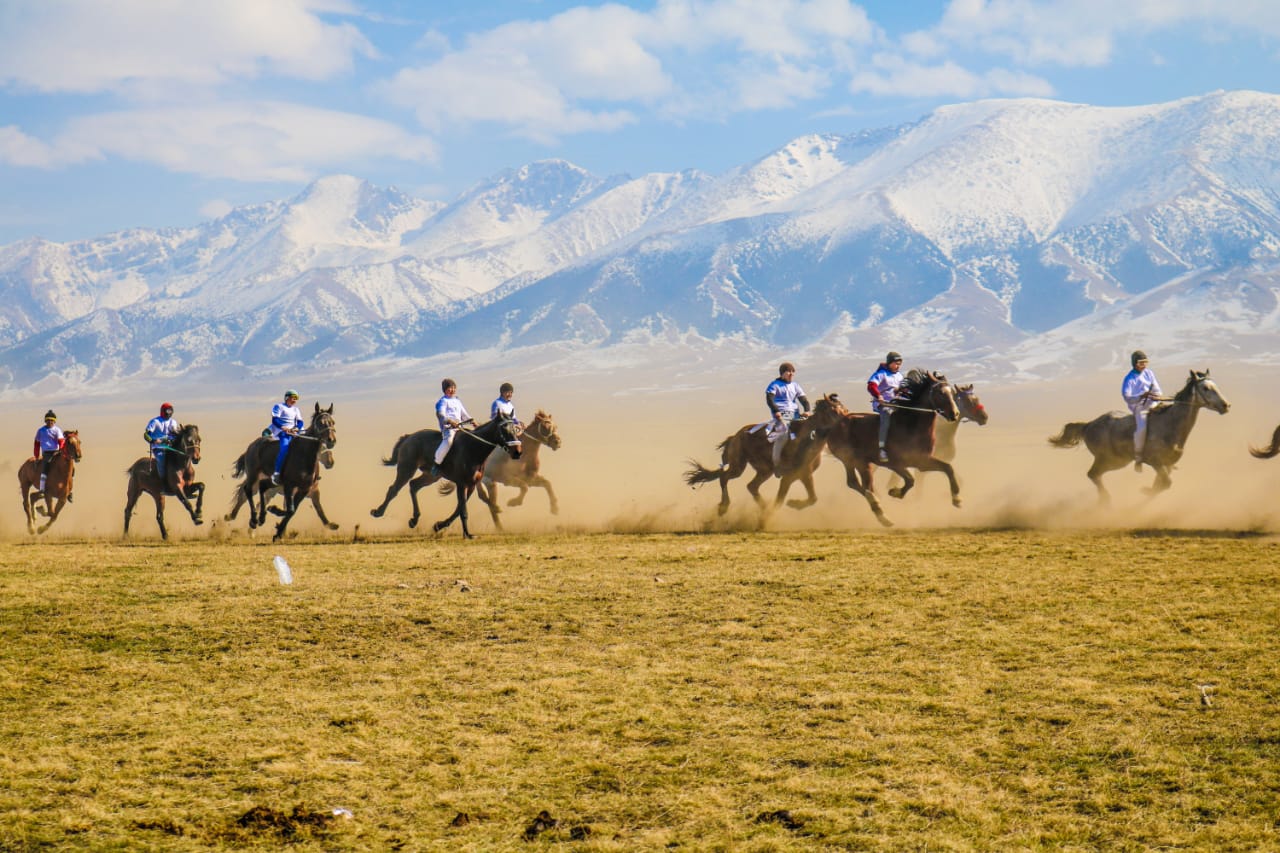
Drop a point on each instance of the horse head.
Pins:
(1205, 393)
(189, 442)
(930, 389)
(326, 457)
(971, 408)
(323, 426)
(828, 411)
(543, 429)
(508, 435)
(72, 447)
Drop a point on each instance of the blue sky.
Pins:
(166, 112)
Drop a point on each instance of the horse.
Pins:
(922, 397)
(463, 465)
(238, 498)
(58, 485)
(944, 432)
(1109, 437)
(750, 446)
(179, 480)
(1268, 452)
(298, 475)
(521, 473)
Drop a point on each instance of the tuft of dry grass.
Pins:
(958, 689)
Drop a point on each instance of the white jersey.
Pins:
(162, 428)
(450, 409)
(1136, 384)
(502, 407)
(285, 417)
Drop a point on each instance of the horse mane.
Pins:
(541, 414)
(1189, 388)
(917, 382)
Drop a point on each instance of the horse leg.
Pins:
(462, 503)
(933, 463)
(857, 476)
(159, 496)
(132, 498)
(402, 477)
(179, 492)
(756, 482)
(53, 515)
(197, 490)
(26, 508)
(806, 480)
(1096, 470)
(542, 481)
(414, 486)
(1161, 482)
(315, 502)
(490, 498)
(907, 481)
(263, 487)
(290, 507)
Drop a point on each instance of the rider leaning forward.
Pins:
(883, 387)
(1141, 393)
(160, 433)
(785, 398)
(286, 422)
(49, 440)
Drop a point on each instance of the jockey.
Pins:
(49, 440)
(503, 405)
(1141, 392)
(159, 433)
(784, 397)
(883, 387)
(451, 415)
(286, 422)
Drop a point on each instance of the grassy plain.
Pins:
(942, 690)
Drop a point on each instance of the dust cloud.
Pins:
(628, 433)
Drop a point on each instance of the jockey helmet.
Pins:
(505, 387)
(892, 357)
(290, 393)
(166, 407)
(1138, 355)
(50, 416)
(786, 367)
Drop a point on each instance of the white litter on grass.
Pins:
(282, 569)
(343, 813)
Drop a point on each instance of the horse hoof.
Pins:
(437, 527)
(955, 502)
(555, 510)
(885, 521)
(896, 493)
(198, 521)
(376, 513)
(331, 526)
(413, 522)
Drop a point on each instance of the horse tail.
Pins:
(697, 475)
(1071, 435)
(393, 459)
(1268, 452)
(238, 468)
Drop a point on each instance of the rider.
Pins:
(49, 440)
(452, 415)
(159, 433)
(503, 405)
(784, 397)
(1141, 392)
(883, 387)
(286, 422)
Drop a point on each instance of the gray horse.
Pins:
(1109, 437)
(1268, 452)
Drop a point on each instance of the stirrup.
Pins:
(884, 455)
(275, 479)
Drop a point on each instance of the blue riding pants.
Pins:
(285, 438)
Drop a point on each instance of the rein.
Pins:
(487, 441)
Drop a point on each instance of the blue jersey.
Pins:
(285, 417)
(883, 385)
(162, 429)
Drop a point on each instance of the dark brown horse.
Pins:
(750, 446)
(1268, 452)
(944, 431)
(298, 475)
(1109, 437)
(179, 479)
(922, 396)
(521, 473)
(57, 487)
(463, 465)
(238, 499)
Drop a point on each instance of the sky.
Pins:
(156, 113)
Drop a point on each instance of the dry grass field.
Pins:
(962, 689)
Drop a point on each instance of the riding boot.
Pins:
(43, 478)
(275, 478)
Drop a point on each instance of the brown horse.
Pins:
(298, 475)
(1268, 452)
(463, 465)
(944, 431)
(521, 473)
(179, 480)
(238, 499)
(922, 396)
(1109, 437)
(750, 446)
(57, 487)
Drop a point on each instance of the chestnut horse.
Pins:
(326, 460)
(179, 479)
(750, 446)
(463, 465)
(922, 396)
(298, 475)
(58, 485)
(1109, 437)
(1268, 452)
(521, 473)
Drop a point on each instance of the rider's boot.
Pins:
(43, 478)
(883, 458)
(275, 478)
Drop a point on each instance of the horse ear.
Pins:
(317, 408)
(330, 409)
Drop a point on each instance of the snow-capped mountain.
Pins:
(1012, 228)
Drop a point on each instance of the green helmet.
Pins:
(290, 393)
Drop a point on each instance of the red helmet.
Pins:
(164, 407)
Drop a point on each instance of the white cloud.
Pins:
(246, 141)
(894, 76)
(92, 46)
(216, 208)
